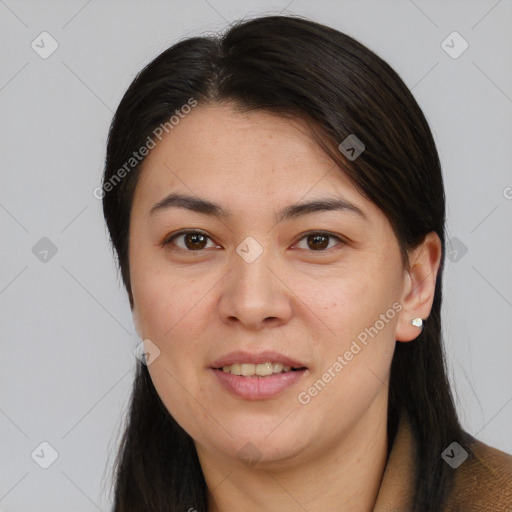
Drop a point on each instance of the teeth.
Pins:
(246, 369)
(277, 367)
(249, 369)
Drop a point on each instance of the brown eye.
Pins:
(195, 241)
(320, 241)
(192, 240)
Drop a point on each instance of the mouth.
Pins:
(260, 376)
(253, 385)
(258, 370)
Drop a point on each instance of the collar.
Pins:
(483, 482)
(395, 493)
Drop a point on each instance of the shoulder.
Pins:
(483, 481)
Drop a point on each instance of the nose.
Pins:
(255, 293)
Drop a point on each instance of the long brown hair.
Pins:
(294, 67)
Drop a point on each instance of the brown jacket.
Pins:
(483, 482)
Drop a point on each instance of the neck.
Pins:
(344, 477)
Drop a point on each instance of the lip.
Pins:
(255, 387)
(266, 356)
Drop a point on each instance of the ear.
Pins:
(419, 286)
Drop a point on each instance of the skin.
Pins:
(299, 300)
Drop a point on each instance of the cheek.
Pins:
(173, 317)
(344, 304)
(357, 349)
(162, 299)
(170, 309)
(357, 325)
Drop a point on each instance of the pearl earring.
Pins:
(417, 322)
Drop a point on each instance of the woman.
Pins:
(275, 200)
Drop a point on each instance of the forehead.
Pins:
(220, 134)
(217, 151)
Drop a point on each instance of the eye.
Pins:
(319, 241)
(193, 240)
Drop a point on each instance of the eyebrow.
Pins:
(293, 211)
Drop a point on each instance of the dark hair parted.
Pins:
(298, 68)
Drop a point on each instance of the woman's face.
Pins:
(256, 285)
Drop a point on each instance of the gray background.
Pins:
(67, 334)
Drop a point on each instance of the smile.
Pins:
(261, 370)
(257, 387)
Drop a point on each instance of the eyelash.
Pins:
(168, 240)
